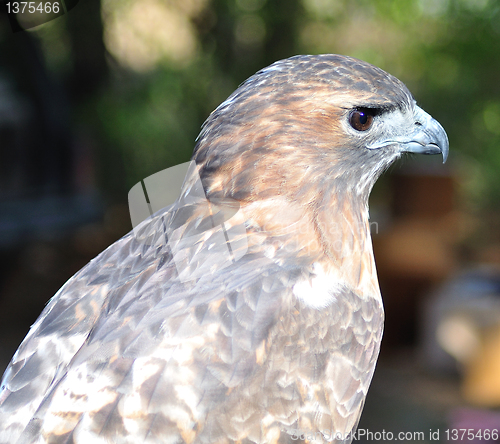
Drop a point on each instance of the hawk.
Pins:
(278, 343)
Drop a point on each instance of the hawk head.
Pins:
(311, 122)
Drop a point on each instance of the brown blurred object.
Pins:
(419, 195)
(481, 384)
(417, 250)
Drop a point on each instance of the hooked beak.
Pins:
(428, 137)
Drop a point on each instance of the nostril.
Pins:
(418, 123)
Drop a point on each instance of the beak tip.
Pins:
(445, 155)
(445, 149)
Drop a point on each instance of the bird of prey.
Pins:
(276, 343)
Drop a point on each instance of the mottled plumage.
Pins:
(135, 348)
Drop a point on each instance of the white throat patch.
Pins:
(318, 291)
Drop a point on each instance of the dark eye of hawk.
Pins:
(361, 119)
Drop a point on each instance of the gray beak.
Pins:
(429, 136)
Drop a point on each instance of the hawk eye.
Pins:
(361, 119)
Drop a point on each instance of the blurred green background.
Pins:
(143, 75)
(116, 90)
